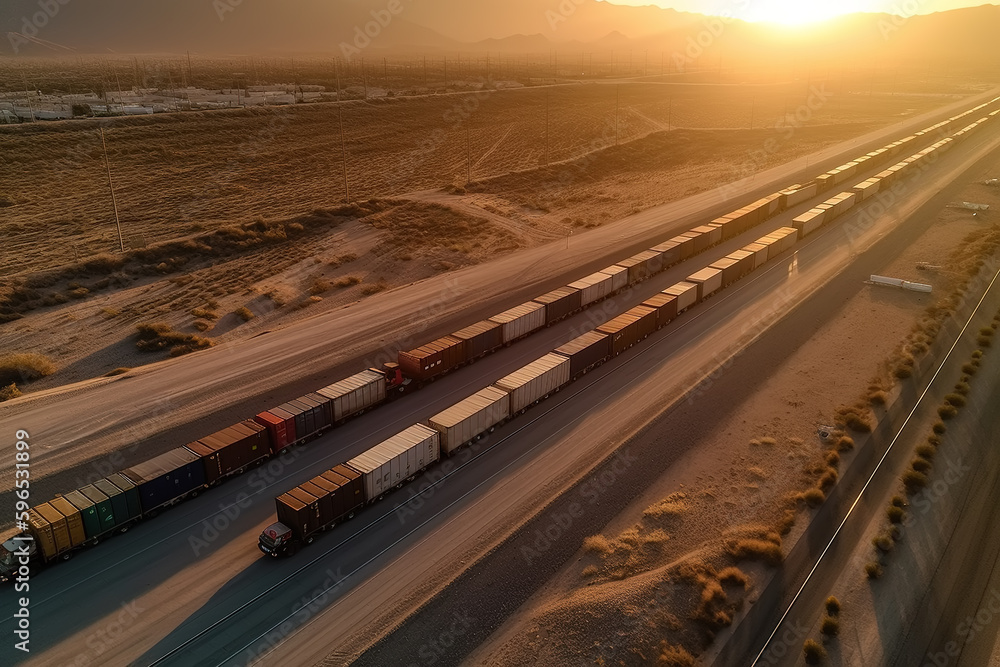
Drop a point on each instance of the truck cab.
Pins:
(277, 539)
(395, 382)
(13, 554)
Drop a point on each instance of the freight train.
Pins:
(84, 517)
(337, 494)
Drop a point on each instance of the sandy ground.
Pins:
(278, 283)
(688, 516)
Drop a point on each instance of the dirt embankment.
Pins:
(674, 568)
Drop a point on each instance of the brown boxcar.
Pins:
(586, 351)
(560, 303)
(665, 306)
(433, 359)
(480, 338)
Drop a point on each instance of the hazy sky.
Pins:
(797, 11)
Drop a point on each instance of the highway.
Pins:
(156, 407)
(168, 581)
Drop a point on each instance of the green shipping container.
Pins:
(88, 512)
(118, 503)
(105, 510)
(131, 494)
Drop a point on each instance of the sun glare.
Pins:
(797, 12)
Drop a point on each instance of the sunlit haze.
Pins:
(793, 12)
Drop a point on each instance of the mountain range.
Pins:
(436, 26)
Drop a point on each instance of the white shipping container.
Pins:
(760, 253)
(393, 461)
(709, 281)
(354, 394)
(521, 320)
(809, 222)
(619, 276)
(801, 195)
(535, 381)
(594, 287)
(472, 417)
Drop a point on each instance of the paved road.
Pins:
(154, 408)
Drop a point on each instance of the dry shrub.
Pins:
(827, 479)
(674, 656)
(375, 288)
(832, 606)
(9, 392)
(813, 497)
(969, 369)
(957, 400)
(770, 442)
(671, 506)
(733, 576)
(939, 428)
(914, 481)
(934, 440)
(158, 336)
(926, 451)
(204, 313)
(947, 411)
(589, 571)
(903, 372)
(244, 314)
(598, 544)
(24, 367)
(753, 549)
(920, 465)
(813, 651)
(118, 371)
(873, 569)
(202, 325)
(883, 542)
(878, 397)
(984, 341)
(830, 627)
(319, 286)
(347, 281)
(898, 501)
(895, 514)
(832, 459)
(845, 443)
(787, 522)
(962, 388)
(109, 313)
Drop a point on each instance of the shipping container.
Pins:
(586, 351)
(231, 450)
(647, 319)
(809, 222)
(744, 264)
(729, 267)
(345, 489)
(167, 478)
(728, 224)
(700, 238)
(58, 526)
(299, 510)
(804, 193)
(685, 246)
(534, 382)
(131, 494)
(623, 331)
(619, 276)
(105, 508)
(686, 293)
(593, 288)
(393, 461)
(42, 531)
(520, 321)
(88, 513)
(714, 234)
(470, 418)
(670, 252)
(643, 265)
(119, 504)
(560, 303)
(352, 396)
(665, 306)
(480, 338)
(281, 431)
(759, 251)
(708, 280)
(74, 521)
(433, 359)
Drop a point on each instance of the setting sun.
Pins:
(792, 12)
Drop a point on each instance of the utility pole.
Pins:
(670, 108)
(546, 128)
(111, 185)
(190, 74)
(364, 77)
(468, 156)
(27, 97)
(343, 152)
(336, 68)
(617, 104)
